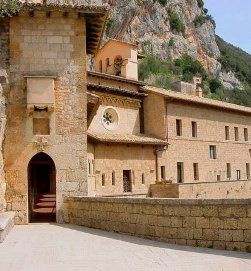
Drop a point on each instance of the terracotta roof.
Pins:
(173, 95)
(118, 41)
(95, 15)
(105, 88)
(126, 139)
(115, 78)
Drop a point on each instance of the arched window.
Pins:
(118, 61)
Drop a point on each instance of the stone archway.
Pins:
(42, 188)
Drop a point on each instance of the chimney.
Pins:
(197, 82)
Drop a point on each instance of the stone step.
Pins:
(6, 224)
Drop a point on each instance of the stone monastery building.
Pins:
(66, 131)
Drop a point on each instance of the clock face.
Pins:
(110, 118)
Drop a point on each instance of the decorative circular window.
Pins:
(110, 118)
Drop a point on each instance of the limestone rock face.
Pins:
(146, 22)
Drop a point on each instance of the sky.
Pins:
(233, 20)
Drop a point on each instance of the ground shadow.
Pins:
(152, 243)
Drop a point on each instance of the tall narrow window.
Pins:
(226, 132)
(196, 171)
(238, 174)
(113, 178)
(180, 172)
(228, 170)
(246, 134)
(107, 62)
(178, 127)
(93, 167)
(236, 133)
(163, 172)
(194, 129)
(143, 181)
(100, 66)
(103, 179)
(89, 167)
(212, 151)
(248, 170)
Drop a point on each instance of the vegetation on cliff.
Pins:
(9, 8)
(164, 74)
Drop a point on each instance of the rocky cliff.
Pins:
(148, 23)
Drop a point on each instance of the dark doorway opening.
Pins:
(127, 181)
(42, 189)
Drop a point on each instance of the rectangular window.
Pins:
(113, 178)
(228, 170)
(127, 181)
(226, 132)
(180, 172)
(196, 171)
(143, 178)
(163, 172)
(248, 170)
(218, 177)
(246, 134)
(103, 179)
(236, 134)
(194, 129)
(178, 127)
(89, 167)
(238, 174)
(212, 150)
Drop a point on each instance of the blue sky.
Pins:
(233, 20)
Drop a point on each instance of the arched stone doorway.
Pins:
(42, 188)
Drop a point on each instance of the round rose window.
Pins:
(110, 118)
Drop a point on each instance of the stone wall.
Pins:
(113, 159)
(221, 224)
(216, 190)
(4, 79)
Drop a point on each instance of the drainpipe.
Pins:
(156, 164)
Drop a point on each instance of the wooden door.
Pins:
(127, 182)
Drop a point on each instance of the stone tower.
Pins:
(45, 136)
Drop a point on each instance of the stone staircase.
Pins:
(44, 208)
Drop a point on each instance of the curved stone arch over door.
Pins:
(42, 188)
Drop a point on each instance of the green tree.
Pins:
(175, 22)
(9, 8)
(215, 84)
